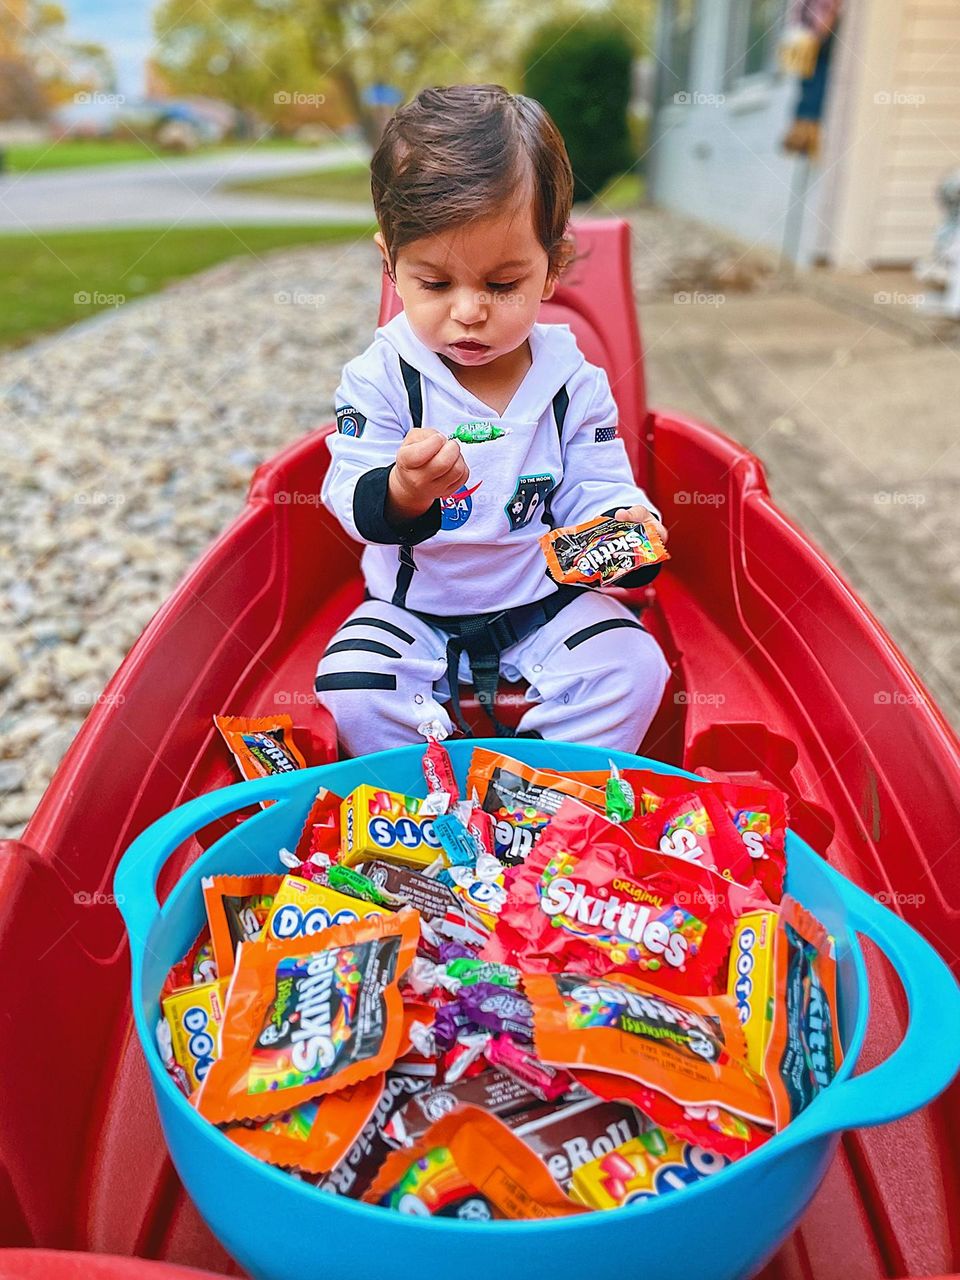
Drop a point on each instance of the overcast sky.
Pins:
(124, 27)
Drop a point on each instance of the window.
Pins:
(752, 39)
(678, 22)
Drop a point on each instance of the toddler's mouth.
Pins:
(469, 347)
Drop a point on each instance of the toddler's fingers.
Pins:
(638, 514)
(420, 446)
(455, 480)
(446, 457)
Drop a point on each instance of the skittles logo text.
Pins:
(630, 921)
(743, 989)
(387, 832)
(201, 1044)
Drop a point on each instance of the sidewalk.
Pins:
(853, 411)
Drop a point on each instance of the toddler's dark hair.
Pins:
(456, 154)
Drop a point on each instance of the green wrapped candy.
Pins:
(357, 885)
(620, 800)
(477, 432)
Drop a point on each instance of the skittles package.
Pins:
(590, 899)
(695, 826)
(522, 799)
(237, 907)
(262, 746)
(197, 966)
(804, 1050)
(602, 550)
(689, 1048)
(315, 1135)
(310, 1017)
(653, 1164)
(468, 1165)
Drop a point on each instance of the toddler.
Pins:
(473, 189)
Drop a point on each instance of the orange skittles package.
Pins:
(315, 1135)
(237, 907)
(309, 1017)
(600, 551)
(687, 1047)
(261, 745)
(469, 1165)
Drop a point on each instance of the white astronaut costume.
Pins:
(594, 674)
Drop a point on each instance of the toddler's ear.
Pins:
(548, 288)
(381, 245)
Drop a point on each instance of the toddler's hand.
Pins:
(428, 466)
(637, 515)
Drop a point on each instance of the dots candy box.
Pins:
(384, 824)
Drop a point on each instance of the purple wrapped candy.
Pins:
(497, 1008)
(455, 951)
(451, 1022)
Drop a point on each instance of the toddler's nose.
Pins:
(468, 307)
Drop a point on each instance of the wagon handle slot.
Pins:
(135, 884)
(926, 1059)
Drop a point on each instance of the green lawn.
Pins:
(349, 182)
(66, 276)
(72, 152)
(621, 194)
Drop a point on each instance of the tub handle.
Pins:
(928, 1056)
(135, 883)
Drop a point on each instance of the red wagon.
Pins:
(779, 672)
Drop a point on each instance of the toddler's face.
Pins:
(471, 293)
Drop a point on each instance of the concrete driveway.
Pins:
(170, 191)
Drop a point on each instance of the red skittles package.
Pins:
(709, 1127)
(309, 1017)
(590, 898)
(695, 825)
(689, 1048)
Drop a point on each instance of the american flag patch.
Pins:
(603, 434)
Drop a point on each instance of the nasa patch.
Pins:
(350, 421)
(529, 499)
(456, 510)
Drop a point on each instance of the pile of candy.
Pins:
(567, 992)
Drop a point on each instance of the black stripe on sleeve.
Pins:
(384, 626)
(353, 680)
(613, 624)
(369, 513)
(362, 646)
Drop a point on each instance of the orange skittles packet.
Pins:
(237, 907)
(522, 799)
(469, 1165)
(309, 1017)
(690, 1048)
(601, 550)
(261, 745)
(804, 1049)
(313, 1136)
(712, 1128)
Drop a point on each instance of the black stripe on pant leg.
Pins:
(353, 680)
(579, 637)
(362, 646)
(384, 626)
(408, 567)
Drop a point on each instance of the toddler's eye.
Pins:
(433, 284)
(505, 287)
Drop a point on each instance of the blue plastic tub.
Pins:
(281, 1229)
